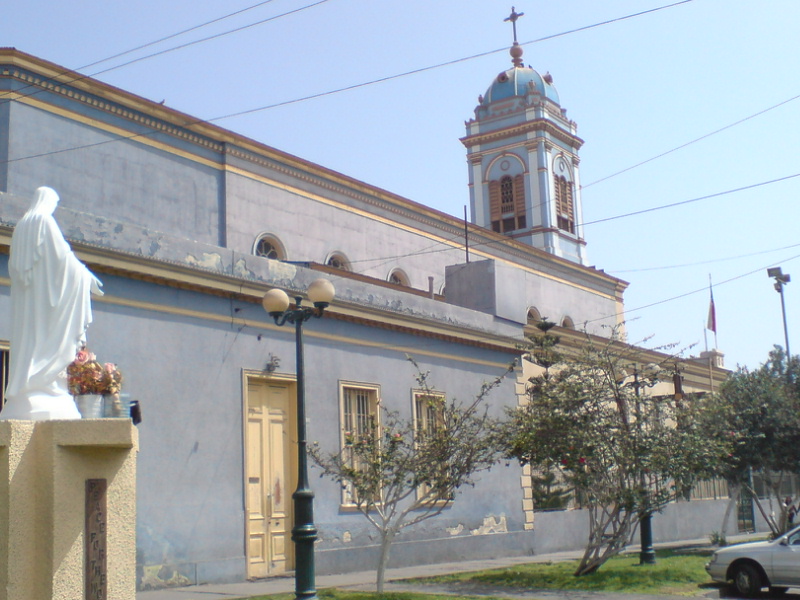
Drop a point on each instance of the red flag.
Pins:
(712, 313)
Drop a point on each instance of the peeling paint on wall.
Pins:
(158, 577)
(281, 270)
(491, 525)
(346, 537)
(455, 530)
(208, 261)
(240, 269)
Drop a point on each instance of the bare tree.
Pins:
(399, 471)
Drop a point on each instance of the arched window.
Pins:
(565, 205)
(398, 277)
(507, 203)
(534, 316)
(568, 323)
(506, 195)
(269, 246)
(337, 260)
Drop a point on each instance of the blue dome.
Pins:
(516, 82)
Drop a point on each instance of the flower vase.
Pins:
(116, 406)
(90, 405)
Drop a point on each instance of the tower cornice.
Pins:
(536, 125)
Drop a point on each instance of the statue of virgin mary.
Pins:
(50, 312)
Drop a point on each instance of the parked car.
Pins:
(755, 565)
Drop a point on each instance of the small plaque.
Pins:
(96, 580)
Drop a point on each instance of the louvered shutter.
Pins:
(495, 212)
(519, 195)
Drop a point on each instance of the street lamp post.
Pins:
(304, 533)
(647, 555)
(782, 279)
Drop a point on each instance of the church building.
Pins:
(188, 225)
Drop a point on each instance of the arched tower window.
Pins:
(269, 246)
(398, 277)
(565, 204)
(568, 323)
(534, 316)
(507, 203)
(338, 261)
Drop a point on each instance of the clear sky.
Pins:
(637, 88)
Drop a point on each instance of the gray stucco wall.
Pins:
(183, 353)
(122, 179)
(167, 199)
(505, 291)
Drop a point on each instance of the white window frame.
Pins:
(417, 397)
(373, 398)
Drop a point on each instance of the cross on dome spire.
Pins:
(516, 49)
(513, 18)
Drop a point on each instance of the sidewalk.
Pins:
(365, 581)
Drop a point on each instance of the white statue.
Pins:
(50, 311)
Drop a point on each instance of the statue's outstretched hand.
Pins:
(96, 285)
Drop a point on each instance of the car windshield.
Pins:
(793, 537)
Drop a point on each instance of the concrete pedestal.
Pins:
(68, 510)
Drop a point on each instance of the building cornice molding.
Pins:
(114, 101)
(182, 276)
(536, 125)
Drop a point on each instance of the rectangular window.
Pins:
(565, 205)
(428, 411)
(566, 224)
(360, 418)
(428, 417)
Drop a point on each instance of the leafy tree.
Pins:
(400, 474)
(625, 452)
(759, 412)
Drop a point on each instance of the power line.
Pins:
(443, 64)
(673, 204)
(665, 206)
(212, 37)
(177, 34)
(702, 262)
(143, 46)
(322, 94)
(685, 294)
(702, 137)
(172, 49)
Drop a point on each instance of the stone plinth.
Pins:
(44, 469)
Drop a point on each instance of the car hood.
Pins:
(746, 547)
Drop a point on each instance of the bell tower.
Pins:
(522, 152)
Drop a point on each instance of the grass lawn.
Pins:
(331, 594)
(676, 572)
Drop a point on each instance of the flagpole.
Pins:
(712, 325)
(712, 312)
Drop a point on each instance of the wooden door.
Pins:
(271, 448)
